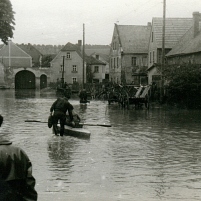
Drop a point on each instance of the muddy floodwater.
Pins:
(147, 155)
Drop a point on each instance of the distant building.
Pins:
(175, 28)
(128, 53)
(96, 71)
(18, 69)
(70, 59)
(188, 48)
(33, 52)
(105, 59)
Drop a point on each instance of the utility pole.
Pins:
(83, 53)
(163, 49)
(62, 78)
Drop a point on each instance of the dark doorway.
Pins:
(43, 81)
(25, 80)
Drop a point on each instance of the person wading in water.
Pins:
(60, 107)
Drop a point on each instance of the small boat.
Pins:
(77, 132)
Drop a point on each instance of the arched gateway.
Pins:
(25, 80)
(43, 81)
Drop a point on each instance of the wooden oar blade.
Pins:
(91, 124)
(36, 121)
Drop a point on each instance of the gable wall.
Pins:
(115, 54)
(56, 71)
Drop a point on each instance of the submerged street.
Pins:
(147, 155)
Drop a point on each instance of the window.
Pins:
(153, 56)
(74, 68)
(96, 69)
(74, 79)
(114, 63)
(114, 45)
(111, 63)
(150, 57)
(134, 61)
(117, 62)
(152, 36)
(68, 55)
(97, 56)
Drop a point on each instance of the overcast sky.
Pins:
(57, 22)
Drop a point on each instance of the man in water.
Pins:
(60, 107)
(16, 180)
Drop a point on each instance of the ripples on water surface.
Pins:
(146, 155)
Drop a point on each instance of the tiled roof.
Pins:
(71, 47)
(175, 28)
(14, 51)
(187, 44)
(93, 61)
(134, 38)
(28, 48)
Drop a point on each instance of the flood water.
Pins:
(147, 155)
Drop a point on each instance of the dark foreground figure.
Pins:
(16, 180)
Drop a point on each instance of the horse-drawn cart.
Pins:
(130, 95)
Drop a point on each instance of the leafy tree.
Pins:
(183, 84)
(6, 20)
(47, 59)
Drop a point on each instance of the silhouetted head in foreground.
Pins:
(1, 120)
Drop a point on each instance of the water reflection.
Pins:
(25, 93)
(61, 151)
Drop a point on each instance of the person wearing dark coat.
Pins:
(83, 95)
(60, 107)
(16, 179)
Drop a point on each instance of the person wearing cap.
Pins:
(16, 179)
(60, 107)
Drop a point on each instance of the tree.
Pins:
(184, 84)
(6, 20)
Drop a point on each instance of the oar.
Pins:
(90, 124)
(87, 124)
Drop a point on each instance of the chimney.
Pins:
(80, 44)
(196, 19)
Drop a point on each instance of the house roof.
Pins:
(72, 47)
(175, 28)
(187, 44)
(93, 61)
(134, 38)
(12, 50)
(103, 57)
(28, 48)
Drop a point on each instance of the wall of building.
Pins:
(188, 58)
(129, 68)
(2, 81)
(17, 61)
(99, 75)
(115, 62)
(69, 74)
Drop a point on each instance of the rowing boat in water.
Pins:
(76, 132)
